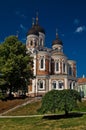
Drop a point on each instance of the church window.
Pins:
(31, 43)
(54, 85)
(40, 42)
(70, 71)
(63, 67)
(70, 85)
(60, 85)
(57, 66)
(41, 84)
(42, 63)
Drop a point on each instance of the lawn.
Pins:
(6, 105)
(39, 123)
(29, 109)
(57, 122)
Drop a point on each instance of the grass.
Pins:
(29, 109)
(56, 122)
(39, 123)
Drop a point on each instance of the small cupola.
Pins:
(57, 44)
(57, 40)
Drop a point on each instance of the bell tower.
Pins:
(35, 36)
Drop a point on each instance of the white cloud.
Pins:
(22, 27)
(80, 29)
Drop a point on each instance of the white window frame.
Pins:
(39, 84)
(42, 58)
(63, 63)
(57, 71)
(53, 87)
(60, 81)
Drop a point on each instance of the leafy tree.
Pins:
(68, 100)
(15, 65)
(63, 100)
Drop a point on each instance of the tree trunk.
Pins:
(66, 113)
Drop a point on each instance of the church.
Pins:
(51, 67)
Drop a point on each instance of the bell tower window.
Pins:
(57, 66)
(41, 42)
(42, 63)
(70, 70)
(31, 43)
(63, 67)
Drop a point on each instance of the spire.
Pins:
(56, 33)
(36, 18)
(33, 20)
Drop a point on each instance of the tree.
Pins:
(63, 100)
(68, 100)
(15, 65)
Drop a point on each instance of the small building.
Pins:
(81, 86)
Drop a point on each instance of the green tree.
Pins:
(68, 100)
(15, 65)
(63, 100)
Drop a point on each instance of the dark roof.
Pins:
(35, 30)
(57, 41)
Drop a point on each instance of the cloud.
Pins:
(23, 27)
(76, 21)
(20, 14)
(80, 29)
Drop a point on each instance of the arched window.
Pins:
(42, 63)
(70, 85)
(31, 43)
(57, 66)
(70, 70)
(35, 43)
(41, 84)
(40, 42)
(60, 85)
(54, 85)
(63, 67)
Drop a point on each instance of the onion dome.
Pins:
(57, 41)
(36, 28)
(33, 31)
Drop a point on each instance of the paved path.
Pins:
(21, 116)
(35, 115)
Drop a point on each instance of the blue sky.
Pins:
(68, 16)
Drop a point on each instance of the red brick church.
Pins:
(52, 68)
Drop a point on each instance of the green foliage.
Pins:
(63, 100)
(15, 65)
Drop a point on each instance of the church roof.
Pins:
(33, 31)
(36, 28)
(57, 41)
